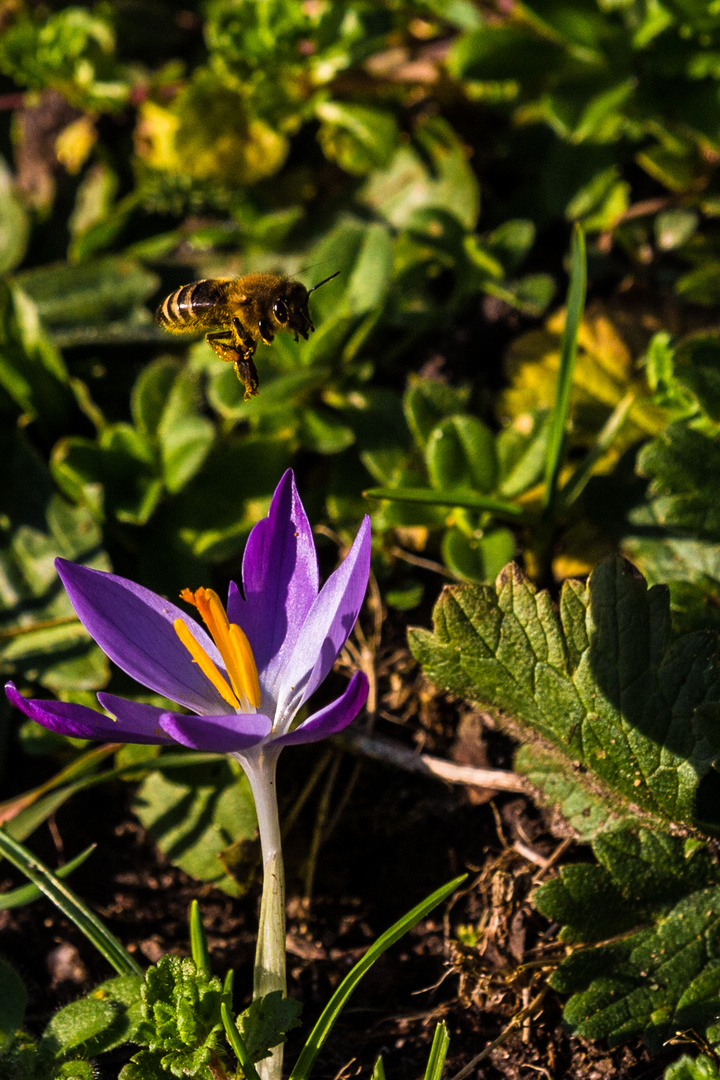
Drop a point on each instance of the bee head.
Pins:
(290, 309)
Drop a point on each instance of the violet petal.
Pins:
(134, 627)
(326, 628)
(280, 582)
(79, 721)
(135, 716)
(332, 718)
(217, 734)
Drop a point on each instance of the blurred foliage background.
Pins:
(436, 155)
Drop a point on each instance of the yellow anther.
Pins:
(206, 665)
(245, 664)
(232, 644)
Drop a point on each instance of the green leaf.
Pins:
(181, 1024)
(501, 508)
(600, 682)
(461, 454)
(80, 1023)
(13, 999)
(438, 1052)
(198, 940)
(478, 557)
(195, 815)
(117, 473)
(687, 1068)
(684, 468)
(25, 894)
(14, 222)
(521, 449)
(185, 436)
(319, 1034)
(641, 874)
(661, 981)
(235, 1040)
(427, 402)
(32, 371)
(324, 432)
(360, 138)
(575, 308)
(437, 174)
(93, 292)
(511, 242)
(41, 639)
(69, 904)
(674, 227)
(265, 1023)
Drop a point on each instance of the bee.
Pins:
(239, 312)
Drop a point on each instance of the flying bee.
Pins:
(239, 312)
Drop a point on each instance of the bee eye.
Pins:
(280, 310)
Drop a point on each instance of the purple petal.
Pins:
(135, 716)
(83, 723)
(280, 581)
(332, 718)
(326, 628)
(217, 734)
(134, 627)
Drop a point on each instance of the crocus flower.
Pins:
(244, 678)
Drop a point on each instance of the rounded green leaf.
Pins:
(461, 455)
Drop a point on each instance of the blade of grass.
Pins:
(70, 905)
(575, 485)
(501, 508)
(27, 893)
(438, 1052)
(32, 813)
(558, 423)
(198, 941)
(337, 1002)
(235, 1040)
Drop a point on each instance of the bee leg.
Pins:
(223, 344)
(247, 374)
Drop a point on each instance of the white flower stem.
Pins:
(270, 952)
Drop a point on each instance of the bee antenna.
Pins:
(323, 282)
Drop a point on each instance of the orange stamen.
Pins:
(205, 664)
(245, 663)
(232, 644)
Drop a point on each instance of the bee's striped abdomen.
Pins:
(192, 306)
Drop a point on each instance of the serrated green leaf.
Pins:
(601, 682)
(181, 1022)
(660, 981)
(266, 1022)
(641, 874)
